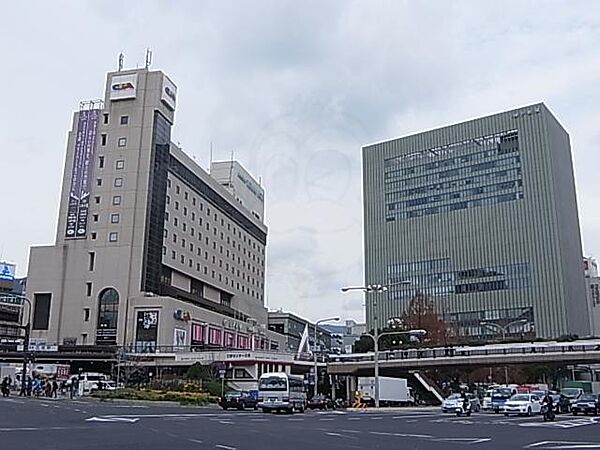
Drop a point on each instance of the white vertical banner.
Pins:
(303, 340)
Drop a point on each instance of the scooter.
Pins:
(547, 413)
(464, 408)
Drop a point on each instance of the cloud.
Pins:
(293, 89)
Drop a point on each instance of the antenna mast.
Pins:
(121, 59)
(148, 58)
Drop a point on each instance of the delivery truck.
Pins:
(392, 391)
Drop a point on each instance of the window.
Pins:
(122, 142)
(105, 116)
(98, 181)
(41, 311)
(114, 218)
(177, 189)
(94, 236)
(103, 139)
(182, 259)
(100, 162)
(175, 221)
(91, 261)
(86, 314)
(185, 210)
(124, 120)
(173, 254)
(97, 199)
(108, 309)
(95, 217)
(174, 237)
(185, 195)
(120, 164)
(118, 182)
(88, 288)
(113, 236)
(176, 205)
(116, 200)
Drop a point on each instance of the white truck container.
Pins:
(392, 391)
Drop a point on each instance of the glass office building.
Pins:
(481, 217)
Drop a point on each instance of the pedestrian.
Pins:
(48, 388)
(5, 388)
(54, 389)
(29, 386)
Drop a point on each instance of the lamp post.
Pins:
(330, 319)
(378, 288)
(503, 330)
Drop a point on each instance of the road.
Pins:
(88, 424)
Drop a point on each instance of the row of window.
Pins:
(255, 283)
(464, 146)
(452, 196)
(394, 192)
(493, 200)
(200, 205)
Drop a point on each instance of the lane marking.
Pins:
(225, 447)
(196, 441)
(563, 445)
(112, 419)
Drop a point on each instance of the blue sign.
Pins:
(7, 271)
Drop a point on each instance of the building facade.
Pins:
(291, 327)
(481, 217)
(347, 334)
(150, 250)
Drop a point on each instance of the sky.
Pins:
(293, 89)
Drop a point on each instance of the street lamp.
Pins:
(503, 329)
(330, 319)
(377, 288)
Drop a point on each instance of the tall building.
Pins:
(481, 217)
(150, 249)
(291, 327)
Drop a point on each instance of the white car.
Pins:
(527, 404)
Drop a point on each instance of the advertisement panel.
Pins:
(81, 175)
(146, 331)
(123, 87)
(179, 338)
(169, 93)
(7, 271)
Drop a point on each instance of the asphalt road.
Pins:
(88, 424)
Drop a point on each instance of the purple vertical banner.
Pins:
(83, 160)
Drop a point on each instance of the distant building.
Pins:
(291, 327)
(10, 316)
(592, 281)
(346, 334)
(233, 177)
(481, 217)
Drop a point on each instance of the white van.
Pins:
(278, 391)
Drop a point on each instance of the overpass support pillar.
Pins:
(351, 384)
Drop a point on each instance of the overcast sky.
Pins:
(294, 88)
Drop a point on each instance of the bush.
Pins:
(184, 398)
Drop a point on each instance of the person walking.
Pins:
(5, 388)
(54, 389)
(29, 386)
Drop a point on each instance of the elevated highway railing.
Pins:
(581, 351)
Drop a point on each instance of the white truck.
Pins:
(392, 391)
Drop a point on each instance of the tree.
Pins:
(421, 315)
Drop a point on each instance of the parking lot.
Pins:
(66, 424)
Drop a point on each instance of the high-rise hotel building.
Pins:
(481, 217)
(151, 250)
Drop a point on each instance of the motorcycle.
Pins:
(464, 408)
(547, 413)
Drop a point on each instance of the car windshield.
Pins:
(501, 393)
(453, 397)
(520, 398)
(589, 397)
(570, 392)
(272, 384)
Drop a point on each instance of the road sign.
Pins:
(11, 300)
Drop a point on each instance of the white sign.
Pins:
(123, 87)
(179, 338)
(168, 93)
(7, 271)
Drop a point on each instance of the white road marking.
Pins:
(225, 447)
(326, 420)
(196, 441)
(353, 418)
(351, 431)
(329, 433)
(563, 423)
(295, 420)
(563, 445)
(112, 419)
